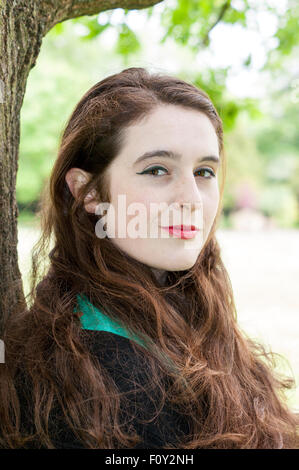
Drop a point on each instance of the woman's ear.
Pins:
(75, 178)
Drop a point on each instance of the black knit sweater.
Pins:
(116, 354)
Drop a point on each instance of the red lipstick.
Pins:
(183, 231)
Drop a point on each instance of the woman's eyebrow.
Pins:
(173, 155)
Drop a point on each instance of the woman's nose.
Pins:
(187, 192)
(187, 203)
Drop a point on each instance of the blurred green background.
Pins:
(247, 69)
(244, 54)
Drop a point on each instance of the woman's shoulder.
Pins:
(140, 405)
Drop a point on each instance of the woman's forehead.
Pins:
(178, 133)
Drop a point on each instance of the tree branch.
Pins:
(67, 9)
(222, 11)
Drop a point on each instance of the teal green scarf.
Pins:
(94, 319)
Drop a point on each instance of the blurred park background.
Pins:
(244, 54)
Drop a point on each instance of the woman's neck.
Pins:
(161, 275)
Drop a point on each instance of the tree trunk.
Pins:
(23, 24)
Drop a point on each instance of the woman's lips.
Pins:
(183, 231)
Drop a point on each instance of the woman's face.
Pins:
(187, 179)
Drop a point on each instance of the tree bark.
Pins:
(23, 24)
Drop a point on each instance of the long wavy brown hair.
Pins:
(225, 382)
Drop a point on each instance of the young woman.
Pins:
(132, 341)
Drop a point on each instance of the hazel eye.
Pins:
(150, 170)
(210, 172)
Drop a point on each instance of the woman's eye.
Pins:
(208, 170)
(151, 171)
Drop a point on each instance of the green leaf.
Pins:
(127, 42)
(95, 29)
(247, 62)
(57, 30)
